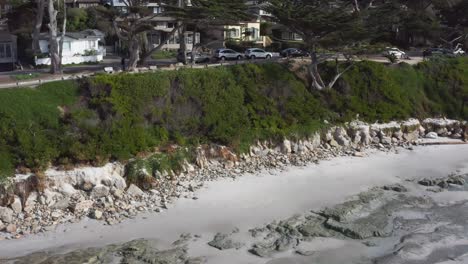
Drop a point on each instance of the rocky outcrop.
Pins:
(465, 131)
(137, 251)
(224, 241)
(444, 127)
(368, 215)
(454, 180)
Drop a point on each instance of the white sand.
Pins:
(254, 200)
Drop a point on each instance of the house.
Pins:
(163, 25)
(78, 47)
(283, 34)
(82, 3)
(8, 50)
(249, 31)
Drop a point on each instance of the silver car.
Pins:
(255, 53)
(228, 54)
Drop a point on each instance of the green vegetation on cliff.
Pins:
(115, 117)
(379, 92)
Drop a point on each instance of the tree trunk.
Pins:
(356, 6)
(317, 81)
(134, 52)
(53, 42)
(183, 43)
(38, 25)
(64, 29)
(145, 48)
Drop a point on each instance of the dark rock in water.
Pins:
(313, 227)
(305, 252)
(255, 232)
(184, 238)
(264, 250)
(199, 260)
(443, 184)
(369, 243)
(285, 243)
(457, 180)
(223, 241)
(141, 251)
(347, 210)
(396, 188)
(427, 182)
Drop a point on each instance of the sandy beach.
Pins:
(254, 200)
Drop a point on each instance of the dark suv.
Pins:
(293, 52)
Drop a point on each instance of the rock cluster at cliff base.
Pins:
(102, 193)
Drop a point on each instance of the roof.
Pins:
(82, 1)
(85, 34)
(6, 36)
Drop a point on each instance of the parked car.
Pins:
(293, 52)
(255, 53)
(395, 51)
(228, 54)
(199, 57)
(438, 52)
(459, 52)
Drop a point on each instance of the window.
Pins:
(154, 38)
(8, 50)
(254, 33)
(5, 50)
(92, 44)
(66, 46)
(233, 33)
(173, 40)
(2, 50)
(170, 25)
(158, 10)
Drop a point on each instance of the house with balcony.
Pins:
(78, 47)
(163, 25)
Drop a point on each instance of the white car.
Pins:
(395, 51)
(228, 54)
(255, 53)
(459, 52)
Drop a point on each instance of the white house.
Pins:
(78, 47)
